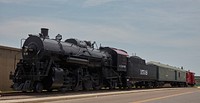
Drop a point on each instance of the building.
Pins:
(8, 59)
(197, 79)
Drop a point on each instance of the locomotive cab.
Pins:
(119, 58)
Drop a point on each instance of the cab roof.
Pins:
(119, 51)
(164, 65)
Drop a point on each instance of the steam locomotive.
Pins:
(73, 64)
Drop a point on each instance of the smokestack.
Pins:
(44, 32)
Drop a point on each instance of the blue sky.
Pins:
(167, 31)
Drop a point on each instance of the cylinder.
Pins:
(44, 32)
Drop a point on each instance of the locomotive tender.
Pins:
(73, 64)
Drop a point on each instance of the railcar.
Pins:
(140, 74)
(190, 79)
(169, 74)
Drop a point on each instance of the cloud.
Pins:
(14, 1)
(91, 3)
(23, 26)
(20, 27)
(64, 26)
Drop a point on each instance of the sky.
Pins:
(166, 31)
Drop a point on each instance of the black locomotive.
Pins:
(73, 64)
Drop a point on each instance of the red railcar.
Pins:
(190, 80)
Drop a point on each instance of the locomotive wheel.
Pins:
(49, 90)
(129, 86)
(112, 85)
(87, 82)
(96, 82)
(77, 84)
(97, 87)
(38, 87)
(87, 85)
(77, 87)
(15, 86)
(136, 86)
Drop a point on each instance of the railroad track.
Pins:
(22, 95)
